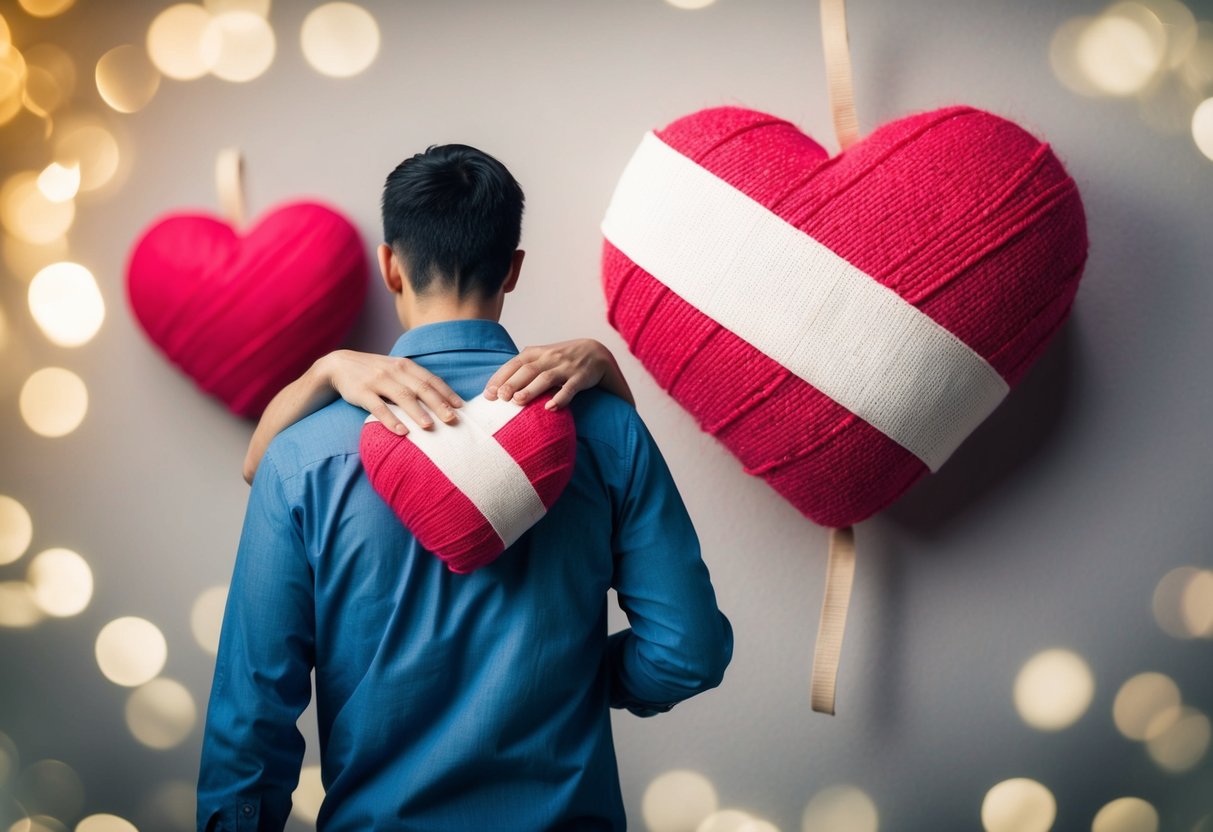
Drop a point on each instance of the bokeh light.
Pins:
(174, 41)
(1053, 689)
(1126, 814)
(1197, 66)
(1168, 602)
(1196, 604)
(105, 823)
(127, 79)
(261, 8)
(131, 651)
(206, 618)
(1140, 702)
(66, 304)
(238, 46)
(308, 795)
(1182, 744)
(61, 68)
(46, 8)
(16, 529)
(28, 214)
(88, 144)
(59, 183)
(340, 39)
(678, 800)
(62, 582)
(840, 807)
(24, 259)
(161, 714)
(17, 606)
(1018, 805)
(1122, 49)
(1179, 28)
(12, 81)
(53, 402)
(50, 787)
(728, 820)
(690, 5)
(39, 823)
(1202, 127)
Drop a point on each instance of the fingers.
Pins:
(565, 394)
(540, 384)
(503, 372)
(522, 377)
(385, 415)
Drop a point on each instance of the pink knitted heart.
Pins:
(467, 491)
(245, 314)
(966, 217)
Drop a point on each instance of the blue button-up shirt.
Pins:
(444, 701)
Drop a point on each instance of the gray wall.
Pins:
(1049, 528)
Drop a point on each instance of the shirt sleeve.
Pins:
(678, 643)
(251, 748)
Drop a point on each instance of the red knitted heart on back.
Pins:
(243, 315)
(963, 214)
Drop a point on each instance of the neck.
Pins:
(429, 310)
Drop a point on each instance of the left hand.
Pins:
(571, 366)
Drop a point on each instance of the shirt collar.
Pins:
(451, 336)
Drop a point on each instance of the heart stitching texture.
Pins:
(841, 323)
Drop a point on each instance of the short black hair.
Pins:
(454, 215)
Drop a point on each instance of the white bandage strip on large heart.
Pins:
(468, 455)
(798, 302)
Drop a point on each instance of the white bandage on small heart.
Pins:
(798, 302)
(467, 454)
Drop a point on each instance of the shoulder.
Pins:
(332, 431)
(607, 420)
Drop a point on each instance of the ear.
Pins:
(515, 267)
(389, 269)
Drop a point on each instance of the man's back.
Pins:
(451, 701)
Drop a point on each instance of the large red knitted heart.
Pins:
(243, 315)
(965, 216)
(468, 491)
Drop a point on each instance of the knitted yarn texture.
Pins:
(468, 491)
(973, 224)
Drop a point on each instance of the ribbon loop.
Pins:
(840, 575)
(229, 182)
(838, 71)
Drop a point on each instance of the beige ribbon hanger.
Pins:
(229, 182)
(840, 575)
(838, 71)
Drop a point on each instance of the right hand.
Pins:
(369, 381)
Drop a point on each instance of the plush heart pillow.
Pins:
(469, 490)
(243, 315)
(841, 324)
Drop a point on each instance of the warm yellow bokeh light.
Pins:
(726, 820)
(1126, 814)
(66, 304)
(1182, 745)
(57, 63)
(46, 8)
(1053, 689)
(1140, 701)
(28, 214)
(53, 402)
(42, 93)
(1179, 27)
(1018, 805)
(238, 46)
(105, 823)
(1167, 602)
(308, 795)
(1202, 127)
(93, 148)
(690, 4)
(1118, 52)
(24, 260)
(59, 183)
(50, 787)
(40, 823)
(340, 39)
(1197, 66)
(127, 79)
(840, 807)
(678, 800)
(1196, 604)
(174, 41)
(161, 714)
(6, 37)
(16, 529)
(206, 618)
(131, 651)
(62, 582)
(17, 606)
(12, 82)
(261, 8)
